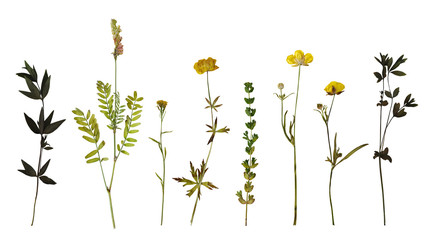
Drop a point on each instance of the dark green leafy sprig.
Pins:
(396, 110)
(249, 163)
(44, 126)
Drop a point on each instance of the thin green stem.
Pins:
(194, 209)
(246, 209)
(329, 194)
(381, 146)
(37, 179)
(327, 128)
(114, 153)
(250, 162)
(111, 209)
(210, 148)
(295, 155)
(38, 165)
(164, 165)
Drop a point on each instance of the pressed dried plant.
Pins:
(251, 162)
(201, 67)
(335, 157)
(44, 127)
(298, 59)
(113, 111)
(396, 110)
(161, 106)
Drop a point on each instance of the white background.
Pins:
(250, 40)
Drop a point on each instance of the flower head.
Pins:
(205, 65)
(119, 48)
(161, 104)
(299, 58)
(334, 88)
(280, 86)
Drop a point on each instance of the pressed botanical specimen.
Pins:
(251, 161)
(298, 59)
(112, 110)
(44, 126)
(161, 105)
(201, 67)
(335, 157)
(396, 110)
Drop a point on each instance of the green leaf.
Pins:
(159, 178)
(91, 140)
(388, 94)
(45, 84)
(398, 73)
(49, 119)
(352, 152)
(53, 126)
(154, 140)
(125, 152)
(396, 92)
(92, 153)
(133, 131)
(128, 144)
(31, 124)
(41, 122)
(135, 124)
(33, 89)
(44, 167)
(136, 113)
(378, 76)
(47, 180)
(28, 170)
(78, 112)
(102, 144)
(30, 95)
(87, 130)
(131, 140)
(93, 160)
(136, 117)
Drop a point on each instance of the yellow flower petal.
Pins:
(204, 65)
(299, 55)
(308, 58)
(291, 59)
(334, 88)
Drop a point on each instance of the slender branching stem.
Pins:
(295, 155)
(250, 161)
(210, 148)
(37, 178)
(329, 194)
(38, 165)
(381, 145)
(164, 164)
(331, 157)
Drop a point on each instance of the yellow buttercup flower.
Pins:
(299, 58)
(205, 65)
(334, 88)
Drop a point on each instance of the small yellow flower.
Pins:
(334, 88)
(161, 104)
(280, 86)
(299, 58)
(205, 65)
